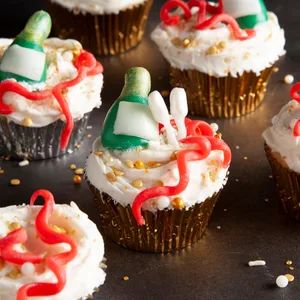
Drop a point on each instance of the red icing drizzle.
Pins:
(295, 94)
(203, 22)
(56, 263)
(85, 64)
(201, 136)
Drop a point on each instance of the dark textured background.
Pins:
(251, 227)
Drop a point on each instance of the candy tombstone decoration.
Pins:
(141, 169)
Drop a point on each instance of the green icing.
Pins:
(249, 22)
(136, 89)
(32, 37)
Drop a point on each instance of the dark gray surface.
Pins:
(251, 228)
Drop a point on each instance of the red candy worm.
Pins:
(200, 135)
(202, 21)
(86, 65)
(295, 94)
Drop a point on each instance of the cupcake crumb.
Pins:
(288, 79)
(256, 263)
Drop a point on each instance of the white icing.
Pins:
(25, 62)
(139, 114)
(255, 54)
(83, 273)
(242, 8)
(279, 137)
(82, 98)
(200, 186)
(98, 6)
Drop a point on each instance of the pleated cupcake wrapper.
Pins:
(20, 142)
(287, 183)
(165, 231)
(107, 34)
(224, 97)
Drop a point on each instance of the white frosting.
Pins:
(82, 98)
(279, 137)
(83, 273)
(207, 176)
(234, 57)
(98, 6)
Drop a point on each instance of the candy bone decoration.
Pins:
(241, 16)
(25, 58)
(56, 263)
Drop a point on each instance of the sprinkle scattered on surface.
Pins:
(125, 278)
(256, 263)
(89, 136)
(237, 147)
(245, 157)
(288, 262)
(266, 200)
(275, 70)
(77, 179)
(24, 163)
(1, 171)
(282, 281)
(218, 227)
(289, 79)
(237, 180)
(70, 151)
(89, 127)
(290, 277)
(79, 171)
(72, 167)
(15, 182)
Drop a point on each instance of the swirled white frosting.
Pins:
(83, 273)
(98, 7)
(207, 176)
(280, 138)
(81, 98)
(216, 53)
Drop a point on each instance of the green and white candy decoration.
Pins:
(129, 123)
(248, 13)
(25, 58)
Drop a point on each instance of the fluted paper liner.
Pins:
(106, 34)
(165, 231)
(223, 97)
(287, 183)
(34, 143)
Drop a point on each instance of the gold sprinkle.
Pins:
(288, 262)
(14, 273)
(165, 93)
(212, 50)
(153, 164)
(137, 183)
(275, 70)
(77, 179)
(289, 277)
(185, 43)
(125, 278)
(59, 229)
(79, 171)
(111, 177)
(27, 122)
(1, 171)
(212, 176)
(159, 183)
(99, 153)
(139, 164)
(245, 157)
(77, 146)
(72, 166)
(178, 203)
(14, 226)
(291, 268)
(15, 182)
(118, 172)
(129, 163)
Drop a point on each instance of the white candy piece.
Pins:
(179, 110)
(24, 163)
(163, 202)
(161, 115)
(289, 79)
(256, 263)
(282, 281)
(215, 127)
(28, 269)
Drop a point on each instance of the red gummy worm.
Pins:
(169, 19)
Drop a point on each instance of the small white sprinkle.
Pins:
(237, 180)
(270, 176)
(70, 151)
(218, 227)
(225, 209)
(214, 127)
(24, 163)
(282, 281)
(289, 79)
(28, 269)
(237, 147)
(89, 127)
(163, 202)
(256, 263)
(266, 199)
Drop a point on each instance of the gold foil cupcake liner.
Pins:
(107, 34)
(165, 231)
(224, 97)
(287, 183)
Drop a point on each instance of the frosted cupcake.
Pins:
(156, 177)
(48, 88)
(104, 27)
(50, 252)
(282, 149)
(221, 54)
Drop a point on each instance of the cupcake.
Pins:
(104, 27)
(222, 54)
(156, 177)
(282, 149)
(48, 88)
(50, 252)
